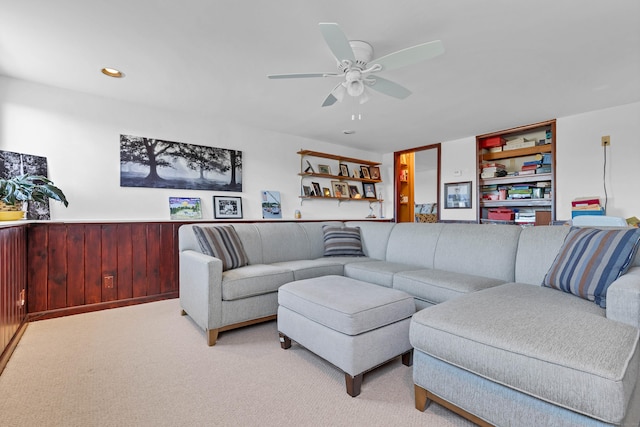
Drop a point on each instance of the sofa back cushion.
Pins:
(414, 243)
(482, 250)
(375, 237)
(537, 248)
(285, 241)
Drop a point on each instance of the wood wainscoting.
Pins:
(80, 267)
(13, 282)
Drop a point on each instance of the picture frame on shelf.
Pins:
(364, 171)
(340, 189)
(374, 172)
(356, 173)
(185, 208)
(326, 192)
(344, 170)
(306, 191)
(369, 190)
(457, 195)
(226, 207)
(317, 191)
(354, 193)
(324, 169)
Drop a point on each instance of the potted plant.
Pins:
(26, 188)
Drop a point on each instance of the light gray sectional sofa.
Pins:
(489, 341)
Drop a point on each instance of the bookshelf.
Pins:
(516, 174)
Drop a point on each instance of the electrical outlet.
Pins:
(108, 282)
(606, 141)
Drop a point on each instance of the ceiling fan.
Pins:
(356, 67)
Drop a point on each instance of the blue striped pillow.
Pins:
(590, 260)
(222, 242)
(342, 241)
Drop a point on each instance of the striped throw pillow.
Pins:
(342, 241)
(590, 260)
(222, 242)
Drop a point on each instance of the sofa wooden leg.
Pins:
(285, 341)
(212, 337)
(183, 313)
(407, 358)
(354, 384)
(422, 402)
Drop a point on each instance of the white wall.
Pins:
(79, 135)
(457, 164)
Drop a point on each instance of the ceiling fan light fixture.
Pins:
(364, 97)
(355, 88)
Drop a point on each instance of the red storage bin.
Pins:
(494, 141)
(502, 214)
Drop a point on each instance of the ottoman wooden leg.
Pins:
(407, 358)
(354, 384)
(285, 341)
(422, 401)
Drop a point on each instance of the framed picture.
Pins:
(271, 205)
(364, 170)
(344, 170)
(185, 208)
(227, 207)
(354, 193)
(369, 190)
(306, 190)
(356, 173)
(340, 189)
(316, 189)
(374, 171)
(326, 192)
(457, 195)
(325, 169)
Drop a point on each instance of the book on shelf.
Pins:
(525, 144)
(530, 167)
(492, 165)
(526, 172)
(544, 169)
(532, 162)
(585, 201)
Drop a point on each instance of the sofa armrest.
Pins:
(201, 288)
(623, 298)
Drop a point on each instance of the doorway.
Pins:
(417, 179)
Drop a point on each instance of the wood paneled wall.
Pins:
(13, 282)
(77, 267)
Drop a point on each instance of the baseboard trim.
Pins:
(8, 351)
(68, 311)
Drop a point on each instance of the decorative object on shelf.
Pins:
(356, 174)
(227, 207)
(306, 190)
(185, 208)
(374, 172)
(457, 195)
(340, 189)
(325, 169)
(369, 190)
(316, 189)
(344, 170)
(309, 168)
(156, 163)
(271, 206)
(364, 170)
(326, 192)
(26, 188)
(354, 193)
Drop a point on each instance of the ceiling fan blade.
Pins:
(337, 41)
(302, 75)
(389, 88)
(329, 100)
(410, 55)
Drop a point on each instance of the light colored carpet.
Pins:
(146, 365)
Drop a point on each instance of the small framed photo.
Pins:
(344, 170)
(316, 189)
(354, 193)
(356, 173)
(227, 207)
(324, 169)
(457, 195)
(326, 192)
(374, 171)
(369, 190)
(185, 208)
(340, 189)
(306, 190)
(364, 170)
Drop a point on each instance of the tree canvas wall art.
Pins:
(156, 163)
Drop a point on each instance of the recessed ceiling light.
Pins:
(112, 72)
(348, 132)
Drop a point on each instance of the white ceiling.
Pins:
(507, 62)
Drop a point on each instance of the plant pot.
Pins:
(11, 212)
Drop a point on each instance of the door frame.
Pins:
(396, 173)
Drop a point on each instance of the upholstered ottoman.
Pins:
(354, 325)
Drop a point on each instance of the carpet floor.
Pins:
(146, 365)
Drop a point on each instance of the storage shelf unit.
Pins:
(544, 135)
(350, 162)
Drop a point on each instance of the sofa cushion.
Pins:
(252, 280)
(308, 268)
(222, 242)
(540, 341)
(590, 260)
(436, 286)
(342, 241)
(377, 272)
